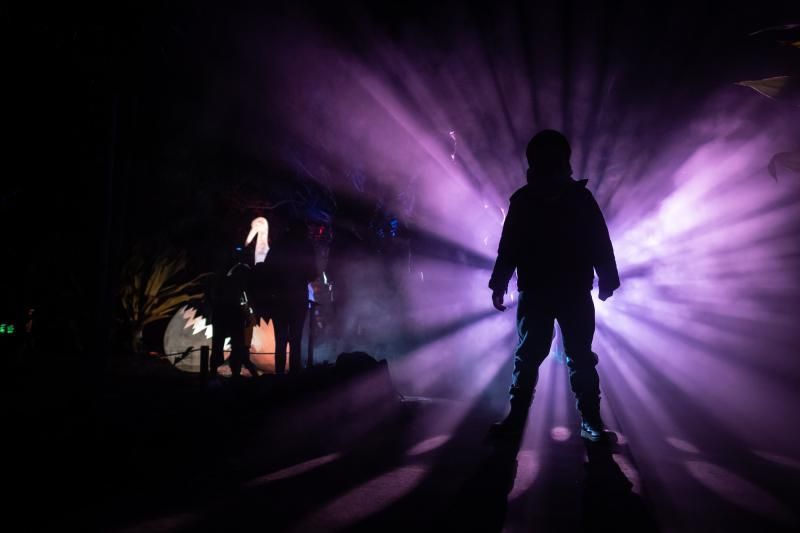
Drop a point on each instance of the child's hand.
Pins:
(497, 301)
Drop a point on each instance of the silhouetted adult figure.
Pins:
(555, 237)
(232, 317)
(261, 292)
(290, 267)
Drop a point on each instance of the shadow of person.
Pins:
(482, 502)
(609, 502)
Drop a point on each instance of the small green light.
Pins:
(2, 329)
(11, 329)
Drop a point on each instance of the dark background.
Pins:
(124, 126)
(135, 125)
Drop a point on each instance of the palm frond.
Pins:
(146, 294)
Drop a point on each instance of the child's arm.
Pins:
(603, 258)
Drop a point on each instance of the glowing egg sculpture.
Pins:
(262, 347)
(187, 329)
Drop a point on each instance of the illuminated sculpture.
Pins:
(259, 229)
(188, 329)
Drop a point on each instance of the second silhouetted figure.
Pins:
(290, 266)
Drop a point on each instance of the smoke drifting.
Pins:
(428, 128)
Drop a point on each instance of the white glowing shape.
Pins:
(259, 229)
(189, 329)
(197, 322)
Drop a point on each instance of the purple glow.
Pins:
(698, 340)
(630, 472)
(364, 500)
(740, 491)
(682, 445)
(527, 470)
(779, 459)
(560, 433)
(294, 470)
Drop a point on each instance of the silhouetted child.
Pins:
(555, 237)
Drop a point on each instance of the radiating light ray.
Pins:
(292, 471)
(779, 459)
(428, 445)
(697, 342)
(363, 500)
(682, 445)
(740, 491)
(473, 351)
(527, 469)
(630, 472)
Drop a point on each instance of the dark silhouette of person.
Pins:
(232, 317)
(290, 266)
(261, 292)
(555, 237)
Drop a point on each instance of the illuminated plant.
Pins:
(147, 293)
(785, 89)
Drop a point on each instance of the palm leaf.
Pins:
(167, 308)
(147, 296)
(789, 160)
(769, 87)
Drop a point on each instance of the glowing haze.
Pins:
(698, 345)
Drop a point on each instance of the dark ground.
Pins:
(167, 451)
